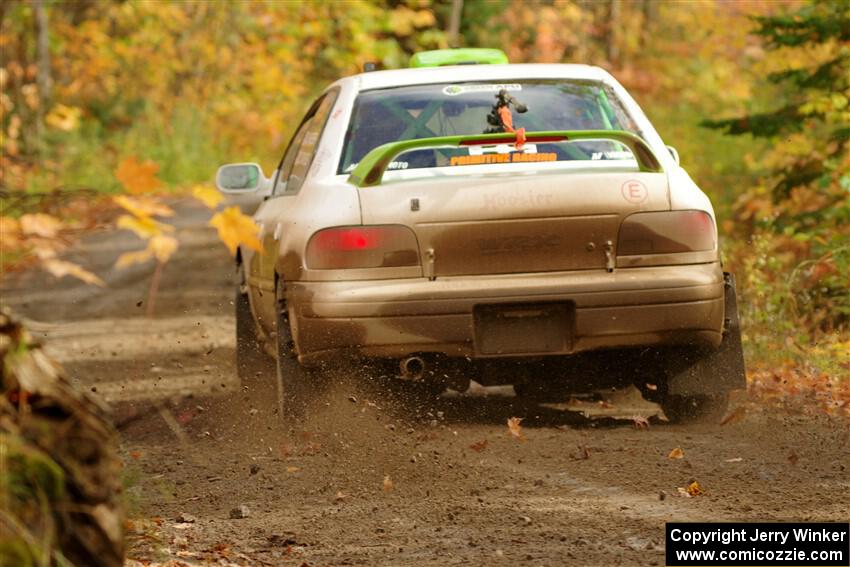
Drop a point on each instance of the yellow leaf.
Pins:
(207, 195)
(388, 483)
(694, 489)
(39, 224)
(130, 258)
(145, 227)
(235, 228)
(10, 232)
(143, 206)
(61, 268)
(138, 177)
(293, 469)
(676, 453)
(514, 427)
(64, 117)
(162, 247)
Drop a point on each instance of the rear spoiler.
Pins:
(370, 171)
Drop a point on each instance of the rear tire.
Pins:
(297, 386)
(253, 365)
(695, 409)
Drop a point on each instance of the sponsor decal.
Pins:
(611, 155)
(502, 158)
(516, 199)
(454, 90)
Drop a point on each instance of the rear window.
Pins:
(425, 111)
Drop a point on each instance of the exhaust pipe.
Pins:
(412, 368)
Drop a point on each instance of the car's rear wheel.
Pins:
(695, 409)
(297, 385)
(253, 365)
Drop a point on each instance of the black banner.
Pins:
(743, 544)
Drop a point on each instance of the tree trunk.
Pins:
(454, 23)
(614, 8)
(649, 14)
(43, 77)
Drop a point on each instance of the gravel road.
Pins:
(370, 479)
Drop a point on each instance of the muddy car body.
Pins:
(472, 253)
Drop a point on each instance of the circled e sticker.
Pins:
(634, 191)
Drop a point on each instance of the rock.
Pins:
(185, 518)
(254, 469)
(352, 399)
(639, 543)
(240, 512)
(525, 520)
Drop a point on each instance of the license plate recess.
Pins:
(523, 328)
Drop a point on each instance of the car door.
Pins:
(276, 213)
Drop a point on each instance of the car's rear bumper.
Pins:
(394, 318)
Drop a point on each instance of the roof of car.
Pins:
(465, 73)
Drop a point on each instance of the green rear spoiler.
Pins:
(370, 171)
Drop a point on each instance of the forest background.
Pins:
(753, 94)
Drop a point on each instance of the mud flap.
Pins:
(718, 370)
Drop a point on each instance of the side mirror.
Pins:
(674, 153)
(240, 178)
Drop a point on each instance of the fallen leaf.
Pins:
(162, 247)
(293, 469)
(640, 422)
(340, 496)
(40, 224)
(138, 177)
(61, 268)
(682, 492)
(144, 226)
(235, 228)
(388, 483)
(209, 196)
(514, 427)
(694, 489)
(143, 206)
(135, 454)
(676, 453)
(793, 458)
(734, 460)
(736, 415)
(479, 446)
(130, 258)
(583, 452)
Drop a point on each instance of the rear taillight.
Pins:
(667, 232)
(343, 247)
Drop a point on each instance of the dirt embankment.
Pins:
(372, 480)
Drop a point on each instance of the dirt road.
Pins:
(371, 480)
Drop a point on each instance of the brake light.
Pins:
(667, 232)
(362, 247)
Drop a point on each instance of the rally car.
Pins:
(467, 218)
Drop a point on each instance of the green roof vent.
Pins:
(465, 56)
